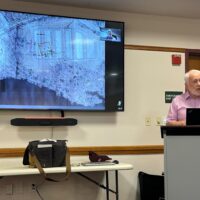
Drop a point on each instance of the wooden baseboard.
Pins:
(110, 150)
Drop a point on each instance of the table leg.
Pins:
(107, 185)
(117, 186)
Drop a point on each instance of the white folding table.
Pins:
(12, 168)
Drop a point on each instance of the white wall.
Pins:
(148, 74)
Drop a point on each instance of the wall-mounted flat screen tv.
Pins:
(60, 63)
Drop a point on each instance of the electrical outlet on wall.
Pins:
(148, 121)
(158, 121)
(33, 187)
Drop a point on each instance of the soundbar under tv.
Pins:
(44, 122)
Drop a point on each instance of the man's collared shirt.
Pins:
(177, 110)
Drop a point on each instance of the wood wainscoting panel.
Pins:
(110, 150)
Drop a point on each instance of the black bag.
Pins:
(47, 153)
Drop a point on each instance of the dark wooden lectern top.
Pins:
(180, 130)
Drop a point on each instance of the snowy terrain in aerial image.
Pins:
(51, 61)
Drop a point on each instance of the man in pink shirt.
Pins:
(189, 99)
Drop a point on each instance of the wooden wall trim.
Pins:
(111, 150)
(154, 48)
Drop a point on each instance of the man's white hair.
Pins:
(187, 75)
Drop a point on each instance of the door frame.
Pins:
(188, 53)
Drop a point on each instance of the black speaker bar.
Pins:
(43, 122)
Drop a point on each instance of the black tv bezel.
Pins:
(108, 108)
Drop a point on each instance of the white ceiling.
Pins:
(173, 8)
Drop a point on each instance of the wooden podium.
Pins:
(181, 162)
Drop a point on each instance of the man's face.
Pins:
(193, 84)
